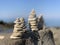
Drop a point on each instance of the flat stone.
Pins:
(16, 31)
(32, 19)
(2, 37)
(17, 22)
(32, 16)
(18, 34)
(33, 26)
(17, 28)
(12, 37)
(33, 22)
(34, 29)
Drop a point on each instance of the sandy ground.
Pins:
(5, 39)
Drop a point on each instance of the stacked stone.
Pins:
(33, 21)
(19, 28)
(23, 24)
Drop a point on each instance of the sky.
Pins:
(11, 9)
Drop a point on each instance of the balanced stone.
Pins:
(17, 21)
(23, 23)
(34, 37)
(19, 28)
(18, 34)
(33, 13)
(34, 29)
(33, 21)
(33, 26)
(22, 20)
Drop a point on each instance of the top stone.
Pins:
(17, 20)
(32, 14)
(22, 20)
(33, 11)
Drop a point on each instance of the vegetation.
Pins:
(6, 25)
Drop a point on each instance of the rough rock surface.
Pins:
(46, 37)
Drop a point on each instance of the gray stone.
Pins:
(40, 22)
(46, 37)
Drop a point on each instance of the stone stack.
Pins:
(33, 21)
(19, 28)
(23, 24)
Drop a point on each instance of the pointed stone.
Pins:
(40, 22)
(32, 14)
(33, 11)
(17, 20)
(40, 18)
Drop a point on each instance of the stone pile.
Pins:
(23, 24)
(33, 21)
(19, 28)
(38, 35)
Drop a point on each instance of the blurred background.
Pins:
(11, 9)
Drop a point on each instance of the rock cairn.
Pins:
(33, 21)
(23, 24)
(19, 28)
(38, 35)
